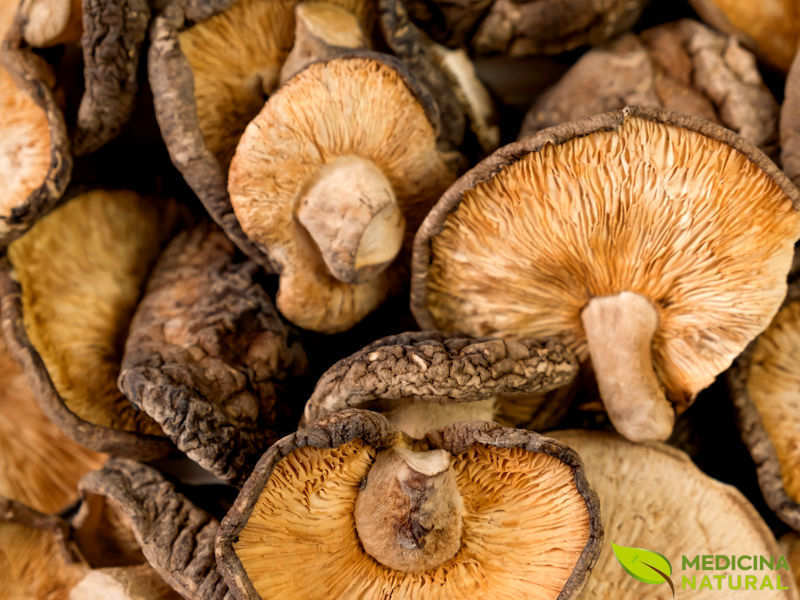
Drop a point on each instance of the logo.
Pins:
(645, 565)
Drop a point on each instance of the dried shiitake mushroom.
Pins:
(328, 182)
(653, 497)
(790, 124)
(110, 35)
(424, 381)
(69, 288)
(39, 465)
(790, 545)
(765, 383)
(175, 536)
(519, 28)
(349, 508)
(681, 66)
(212, 66)
(207, 356)
(655, 243)
(771, 28)
(35, 160)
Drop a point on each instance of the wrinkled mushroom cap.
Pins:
(653, 497)
(765, 382)
(679, 211)
(297, 512)
(69, 290)
(424, 381)
(331, 110)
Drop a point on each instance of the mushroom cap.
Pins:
(681, 66)
(329, 110)
(552, 26)
(296, 513)
(670, 207)
(654, 497)
(69, 288)
(30, 443)
(211, 66)
(207, 356)
(764, 383)
(429, 368)
(771, 28)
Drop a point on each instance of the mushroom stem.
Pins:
(351, 213)
(619, 331)
(321, 30)
(409, 513)
(52, 22)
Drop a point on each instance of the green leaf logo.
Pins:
(645, 565)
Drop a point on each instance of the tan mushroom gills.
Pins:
(409, 513)
(619, 332)
(321, 29)
(351, 212)
(52, 22)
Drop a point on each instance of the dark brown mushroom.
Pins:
(349, 508)
(681, 66)
(207, 356)
(764, 384)
(211, 66)
(347, 190)
(552, 26)
(424, 381)
(655, 243)
(69, 288)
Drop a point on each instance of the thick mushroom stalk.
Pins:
(408, 515)
(619, 331)
(351, 212)
(321, 29)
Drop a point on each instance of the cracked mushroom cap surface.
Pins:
(771, 28)
(660, 215)
(30, 443)
(327, 130)
(682, 66)
(764, 383)
(654, 497)
(423, 381)
(212, 65)
(69, 288)
(208, 357)
(303, 508)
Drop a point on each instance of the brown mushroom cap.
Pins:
(659, 221)
(298, 508)
(765, 382)
(330, 121)
(208, 357)
(654, 497)
(552, 26)
(69, 289)
(211, 67)
(39, 465)
(771, 28)
(682, 66)
(424, 381)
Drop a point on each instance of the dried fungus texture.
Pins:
(315, 521)
(653, 497)
(430, 368)
(176, 537)
(698, 227)
(448, 22)
(770, 27)
(80, 273)
(31, 446)
(330, 110)
(113, 33)
(765, 383)
(790, 124)
(138, 582)
(552, 26)
(208, 357)
(682, 66)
